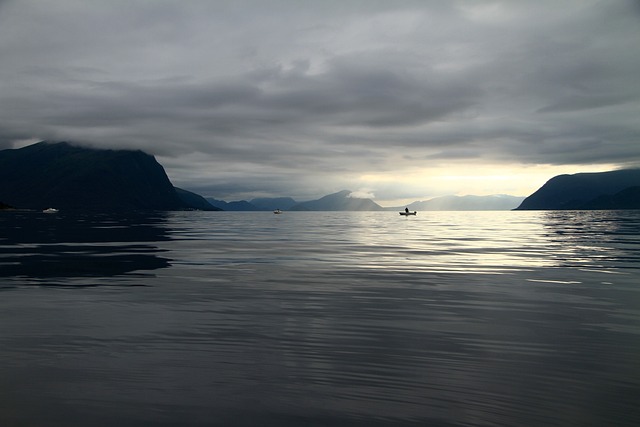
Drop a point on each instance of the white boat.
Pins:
(277, 211)
(408, 213)
(50, 210)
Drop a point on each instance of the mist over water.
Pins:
(320, 319)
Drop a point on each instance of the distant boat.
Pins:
(50, 210)
(408, 213)
(277, 211)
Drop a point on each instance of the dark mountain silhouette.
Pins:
(602, 190)
(629, 198)
(240, 205)
(338, 202)
(496, 202)
(195, 201)
(64, 176)
(269, 204)
(258, 204)
(342, 201)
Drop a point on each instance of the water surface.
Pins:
(320, 319)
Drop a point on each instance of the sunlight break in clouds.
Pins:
(409, 100)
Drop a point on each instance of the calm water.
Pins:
(320, 319)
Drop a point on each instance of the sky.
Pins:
(393, 100)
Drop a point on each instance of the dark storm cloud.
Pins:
(363, 91)
(324, 90)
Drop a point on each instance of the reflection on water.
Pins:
(602, 241)
(329, 319)
(45, 246)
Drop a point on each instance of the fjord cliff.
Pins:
(64, 176)
(603, 190)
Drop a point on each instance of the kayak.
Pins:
(408, 213)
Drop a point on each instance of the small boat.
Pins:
(277, 211)
(408, 213)
(50, 210)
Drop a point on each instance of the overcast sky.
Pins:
(398, 100)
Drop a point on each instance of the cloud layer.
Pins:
(304, 98)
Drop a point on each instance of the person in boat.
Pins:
(406, 210)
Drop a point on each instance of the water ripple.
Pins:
(352, 319)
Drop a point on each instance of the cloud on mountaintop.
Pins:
(271, 90)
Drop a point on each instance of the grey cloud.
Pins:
(359, 91)
(324, 90)
(577, 103)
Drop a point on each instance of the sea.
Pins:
(506, 318)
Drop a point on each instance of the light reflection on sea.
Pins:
(320, 318)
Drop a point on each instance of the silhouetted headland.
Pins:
(591, 191)
(65, 176)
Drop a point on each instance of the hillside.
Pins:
(269, 204)
(629, 198)
(238, 206)
(64, 176)
(339, 201)
(495, 202)
(195, 201)
(602, 190)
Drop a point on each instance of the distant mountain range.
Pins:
(602, 190)
(195, 201)
(340, 201)
(258, 204)
(344, 201)
(64, 176)
(241, 205)
(496, 202)
(270, 204)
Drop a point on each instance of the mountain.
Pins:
(339, 201)
(258, 204)
(269, 204)
(195, 201)
(496, 202)
(240, 205)
(629, 198)
(64, 176)
(600, 190)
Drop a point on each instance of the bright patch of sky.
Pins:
(401, 101)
